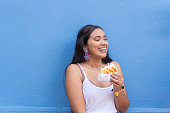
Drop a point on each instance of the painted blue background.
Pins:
(37, 40)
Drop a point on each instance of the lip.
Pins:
(103, 49)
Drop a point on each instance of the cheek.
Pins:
(93, 47)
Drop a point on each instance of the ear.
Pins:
(84, 47)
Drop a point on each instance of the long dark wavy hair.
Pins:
(82, 38)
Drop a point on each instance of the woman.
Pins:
(85, 92)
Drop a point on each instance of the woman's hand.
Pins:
(117, 81)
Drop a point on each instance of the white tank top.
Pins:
(97, 99)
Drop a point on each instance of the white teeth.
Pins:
(102, 49)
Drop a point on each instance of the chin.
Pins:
(103, 56)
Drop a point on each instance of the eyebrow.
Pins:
(99, 36)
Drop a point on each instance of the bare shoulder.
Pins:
(116, 64)
(72, 67)
(73, 71)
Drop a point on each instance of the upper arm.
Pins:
(73, 86)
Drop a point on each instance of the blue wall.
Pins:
(37, 40)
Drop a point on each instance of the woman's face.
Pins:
(98, 44)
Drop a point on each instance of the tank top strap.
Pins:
(82, 71)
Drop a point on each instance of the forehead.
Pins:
(97, 32)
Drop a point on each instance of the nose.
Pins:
(103, 42)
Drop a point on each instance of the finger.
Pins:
(115, 86)
(115, 77)
(112, 80)
(118, 82)
(116, 74)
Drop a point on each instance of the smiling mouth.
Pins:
(103, 50)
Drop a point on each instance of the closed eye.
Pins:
(97, 38)
(104, 38)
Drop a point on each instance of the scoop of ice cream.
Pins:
(109, 69)
(105, 72)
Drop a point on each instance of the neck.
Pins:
(94, 62)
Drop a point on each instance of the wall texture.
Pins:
(37, 40)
